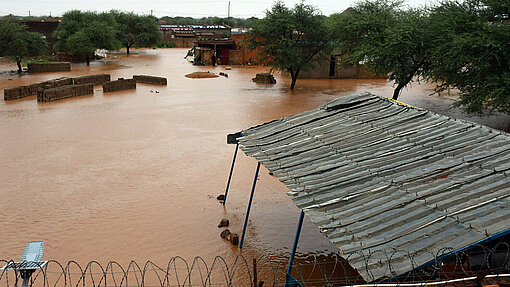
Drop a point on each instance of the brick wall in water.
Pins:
(64, 92)
(29, 90)
(150, 80)
(49, 67)
(120, 84)
(98, 79)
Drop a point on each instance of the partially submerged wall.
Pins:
(64, 92)
(98, 79)
(120, 84)
(150, 80)
(264, 78)
(49, 67)
(29, 90)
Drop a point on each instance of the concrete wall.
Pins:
(49, 95)
(49, 67)
(150, 80)
(120, 84)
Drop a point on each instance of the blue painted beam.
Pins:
(289, 280)
(249, 205)
(230, 175)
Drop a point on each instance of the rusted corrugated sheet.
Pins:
(377, 175)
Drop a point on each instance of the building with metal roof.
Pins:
(377, 175)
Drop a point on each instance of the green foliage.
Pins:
(81, 33)
(17, 43)
(166, 45)
(292, 40)
(386, 38)
(460, 45)
(471, 53)
(136, 30)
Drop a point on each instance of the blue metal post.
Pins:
(230, 175)
(249, 205)
(293, 254)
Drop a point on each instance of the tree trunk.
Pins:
(294, 79)
(20, 69)
(397, 90)
(127, 49)
(88, 59)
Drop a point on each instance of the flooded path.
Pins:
(134, 175)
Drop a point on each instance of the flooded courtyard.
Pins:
(134, 175)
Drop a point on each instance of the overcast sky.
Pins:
(188, 8)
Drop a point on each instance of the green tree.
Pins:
(17, 43)
(291, 40)
(384, 37)
(136, 30)
(471, 52)
(81, 33)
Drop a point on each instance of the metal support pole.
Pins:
(230, 175)
(249, 205)
(294, 248)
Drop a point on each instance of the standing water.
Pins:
(134, 175)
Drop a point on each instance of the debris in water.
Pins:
(225, 233)
(223, 223)
(201, 75)
(233, 238)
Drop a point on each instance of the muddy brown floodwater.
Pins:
(134, 175)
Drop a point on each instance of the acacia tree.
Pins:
(384, 37)
(471, 52)
(291, 40)
(81, 33)
(136, 30)
(17, 43)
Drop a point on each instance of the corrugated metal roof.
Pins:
(374, 174)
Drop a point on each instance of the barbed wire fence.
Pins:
(470, 267)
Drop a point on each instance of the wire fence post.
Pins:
(230, 175)
(249, 205)
(289, 280)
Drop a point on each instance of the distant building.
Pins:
(46, 27)
(194, 31)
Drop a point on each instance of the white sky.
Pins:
(185, 8)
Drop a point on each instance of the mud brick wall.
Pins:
(64, 81)
(64, 92)
(150, 80)
(120, 84)
(16, 93)
(25, 91)
(98, 79)
(207, 56)
(49, 67)
(235, 57)
(264, 79)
